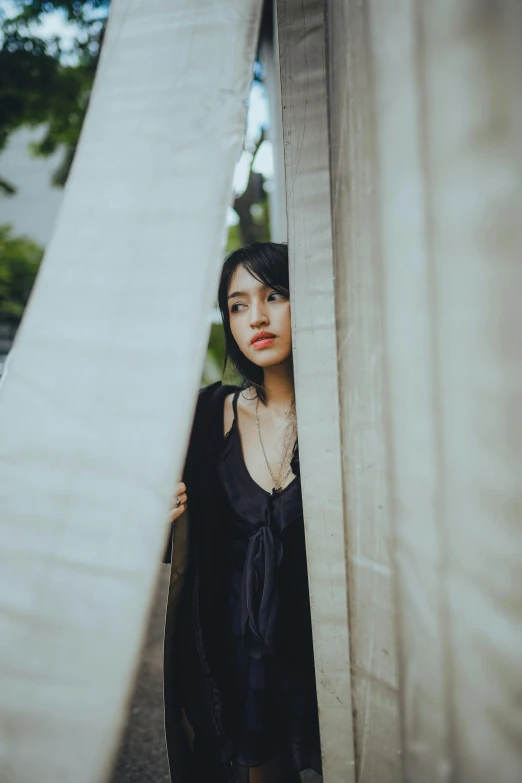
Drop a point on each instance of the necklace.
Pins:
(277, 485)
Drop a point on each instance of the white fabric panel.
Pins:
(97, 401)
(448, 119)
(363, 395)
(305, 136)
(412, 385)
(471, 58)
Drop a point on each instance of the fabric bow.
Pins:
(259, 590)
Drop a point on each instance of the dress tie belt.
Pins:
(259, 592)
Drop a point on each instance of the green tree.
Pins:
(44, 83)
(251, 206)
(19, 261)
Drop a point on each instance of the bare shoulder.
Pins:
(246, 403)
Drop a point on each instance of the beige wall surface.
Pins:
(95, 407)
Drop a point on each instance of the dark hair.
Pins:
(268, 263)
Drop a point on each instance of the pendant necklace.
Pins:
(277, 485)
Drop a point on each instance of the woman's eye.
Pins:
(275, 294)
(236, 307)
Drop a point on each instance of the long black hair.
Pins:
(268, 263)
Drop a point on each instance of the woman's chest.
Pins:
(266, 455)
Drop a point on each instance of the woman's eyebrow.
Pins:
(261, 287)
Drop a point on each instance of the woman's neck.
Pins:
(279, 386)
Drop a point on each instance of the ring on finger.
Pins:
(178, 503)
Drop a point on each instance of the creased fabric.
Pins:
(259, 595)
(267, 516)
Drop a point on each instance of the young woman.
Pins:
(238, 645)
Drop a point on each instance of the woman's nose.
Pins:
(258, 317)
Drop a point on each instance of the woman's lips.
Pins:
(264, 342)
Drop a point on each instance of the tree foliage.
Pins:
(47, 82)
(19, 261)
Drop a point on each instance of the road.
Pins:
(142, 757)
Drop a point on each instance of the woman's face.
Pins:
(255, 309)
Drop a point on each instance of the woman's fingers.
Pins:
(179, 501)
(177, 512)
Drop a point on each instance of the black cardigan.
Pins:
(193, 624)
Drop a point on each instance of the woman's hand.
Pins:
(179, 503)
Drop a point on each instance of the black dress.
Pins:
(268, 681)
